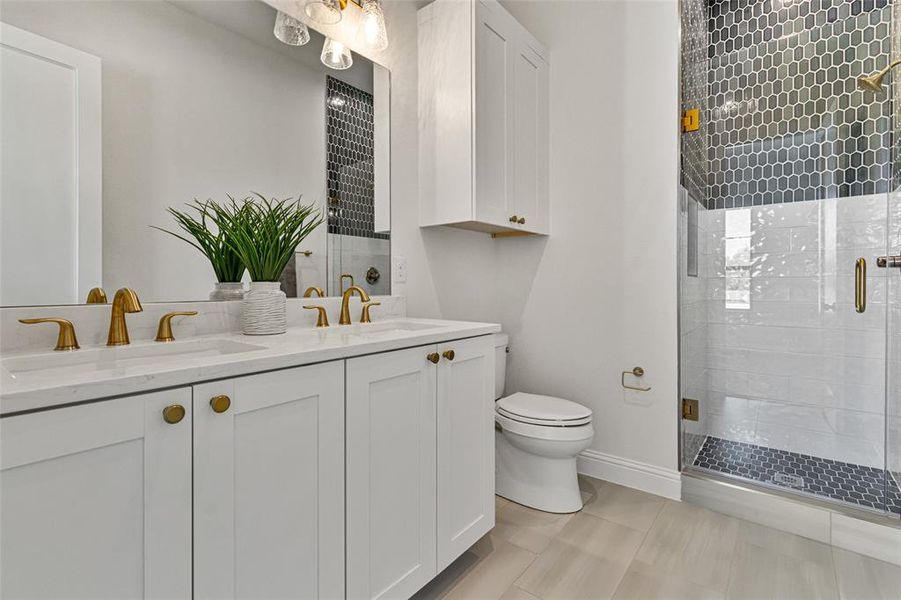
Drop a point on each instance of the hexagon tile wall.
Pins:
(785, 119)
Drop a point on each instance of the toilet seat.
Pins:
(545, 411)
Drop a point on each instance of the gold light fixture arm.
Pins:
(66, 339)
(164, 331)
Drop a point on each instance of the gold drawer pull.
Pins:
(173, 413)
(433, 358)
(449, 354)
(220, 404)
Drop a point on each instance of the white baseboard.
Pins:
(631, 473)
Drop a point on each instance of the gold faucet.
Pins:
(313, 289)
(125, 301)
(66, 339)
(345, 301)
(96, 296)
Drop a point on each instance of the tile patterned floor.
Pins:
(629, 544)
(864, 486)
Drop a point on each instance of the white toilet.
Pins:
(537, 439)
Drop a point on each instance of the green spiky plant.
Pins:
(226, 263)
(265, 233)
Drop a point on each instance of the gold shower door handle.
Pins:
(860, 285)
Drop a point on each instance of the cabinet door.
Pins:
(390, 473)
(269, 486)
(465, 445)
(495, 50)
(95, 500)
(530, 187)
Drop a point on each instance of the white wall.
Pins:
(598, 295)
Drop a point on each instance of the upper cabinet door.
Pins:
(465, 445)
(495, 53)
(95, 500)
(390, 473)
(269, 486)
(530, 183)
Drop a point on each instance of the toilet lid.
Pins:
(543, 410)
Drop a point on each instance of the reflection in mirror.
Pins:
(113, 112)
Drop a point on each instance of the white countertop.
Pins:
(30, 381)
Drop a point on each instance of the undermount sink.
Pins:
(387, 327)
(58, 363)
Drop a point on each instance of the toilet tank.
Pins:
(500, 364)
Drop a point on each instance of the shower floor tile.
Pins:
(855, 484)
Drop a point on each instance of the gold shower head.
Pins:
(873, 82)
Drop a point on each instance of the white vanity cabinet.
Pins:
(96, 500)
(269, 485)
(483, 120)
(420, 463)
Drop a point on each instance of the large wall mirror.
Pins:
(114, 111)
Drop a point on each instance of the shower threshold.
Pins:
(856, 485)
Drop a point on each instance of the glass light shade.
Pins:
(336, 55)
(290, 31)
(327, 12)
(372, 25)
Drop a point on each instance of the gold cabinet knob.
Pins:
(521, 221)
(449, 354)
(173, 413)
(433, 358)
(220, 404)
(514, 219)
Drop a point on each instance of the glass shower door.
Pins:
(790, 343)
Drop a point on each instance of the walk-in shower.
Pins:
(789, 342)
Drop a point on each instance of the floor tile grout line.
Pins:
(639, 547)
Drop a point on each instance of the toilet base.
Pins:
(545, 483)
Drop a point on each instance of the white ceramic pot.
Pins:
(227, 291)
(263, 309)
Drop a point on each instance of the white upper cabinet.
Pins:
(96, 500)
(483, 120)
(269, 485)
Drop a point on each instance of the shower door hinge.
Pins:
(689, 409)
(691, 119)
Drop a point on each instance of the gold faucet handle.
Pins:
(313, 289)
(364, 316)
(164, 331)
(96, 296)
(322, 321)
(66, 339)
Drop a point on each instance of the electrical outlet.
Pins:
(399, 269)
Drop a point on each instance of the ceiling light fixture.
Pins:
(289, 30)
(325, 12)
(336, 55)
(372, 25)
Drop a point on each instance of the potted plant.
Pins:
(225, 261)
(265, 234)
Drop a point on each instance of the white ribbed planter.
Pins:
(263, 309)
(227, 291)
